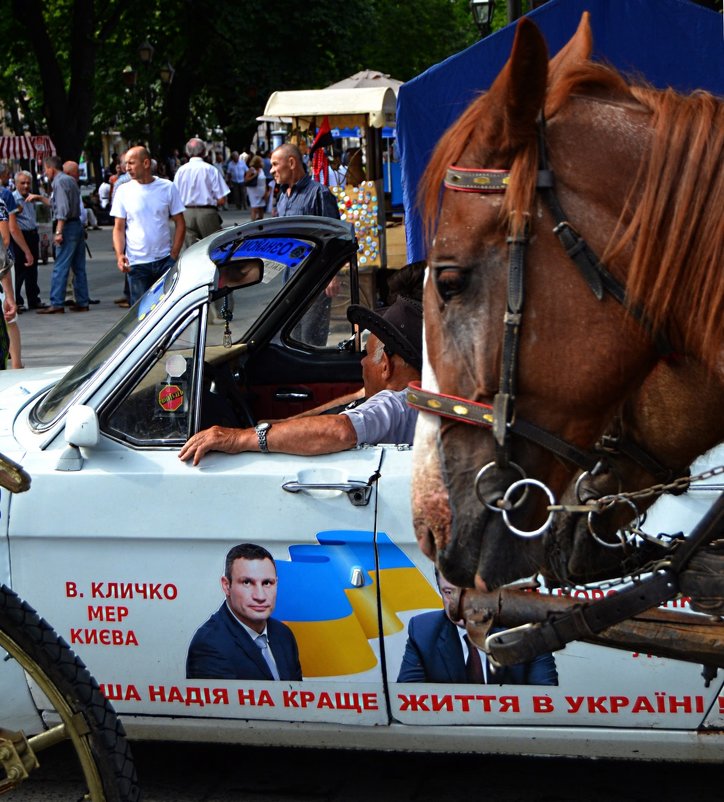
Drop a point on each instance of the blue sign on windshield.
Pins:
(152, 298)
(286, 251)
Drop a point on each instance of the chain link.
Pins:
(606, 502)
(680, 484)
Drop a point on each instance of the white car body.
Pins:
(120, 546)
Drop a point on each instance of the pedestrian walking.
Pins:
(69, 240)
(237, 173)
(27, 219)
(142, 209)
(203, 192)
(298, 194)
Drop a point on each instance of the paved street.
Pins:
(49, 340)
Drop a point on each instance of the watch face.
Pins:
(263, 427)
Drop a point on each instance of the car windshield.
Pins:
(67, 388)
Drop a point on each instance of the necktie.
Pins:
(474, 665)
(263, 645)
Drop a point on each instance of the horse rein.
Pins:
(500, 417)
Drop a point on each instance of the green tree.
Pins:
(64, 60)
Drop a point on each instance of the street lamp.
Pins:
(166, 72)
(145, 52)
(482, 11)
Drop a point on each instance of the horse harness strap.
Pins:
(479, 414)
(592, 269)
(523, 644)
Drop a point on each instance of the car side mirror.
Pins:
(81, 427)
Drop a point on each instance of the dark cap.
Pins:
(398, 326)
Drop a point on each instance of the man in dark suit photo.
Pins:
(241, 640)
(439, 650)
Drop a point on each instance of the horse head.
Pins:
(510, 322)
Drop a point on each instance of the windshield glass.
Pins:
(67, 388)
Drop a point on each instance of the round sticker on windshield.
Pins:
(175, 365)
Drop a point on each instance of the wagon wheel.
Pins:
(86, 718)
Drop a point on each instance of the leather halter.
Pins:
(501, 416)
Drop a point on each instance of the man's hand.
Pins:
(29, 258)
(123, 264)
(217, 438)
(9, 309)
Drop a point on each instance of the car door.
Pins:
(130, 546)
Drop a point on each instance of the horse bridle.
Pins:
(501, 417)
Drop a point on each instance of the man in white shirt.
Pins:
(203, 191)
(141, 234)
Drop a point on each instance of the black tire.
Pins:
(98, 737)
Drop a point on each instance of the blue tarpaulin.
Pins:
(667, 42)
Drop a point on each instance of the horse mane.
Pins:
(672, 218)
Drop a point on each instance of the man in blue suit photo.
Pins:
(439, 650)
(241, 640)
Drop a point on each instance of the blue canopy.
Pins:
(669, 42)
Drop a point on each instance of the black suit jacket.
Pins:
(222, 649)
(433, 653)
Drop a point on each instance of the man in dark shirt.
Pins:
(69, 241)
(299, 194)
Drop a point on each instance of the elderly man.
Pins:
(392, 361)
(298, 193)
(241, 640)
(141, 237)
(19, 244)
(203, 191)
(69, 240)
(28, 223)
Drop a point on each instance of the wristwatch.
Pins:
(262, 430)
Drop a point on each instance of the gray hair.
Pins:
(25, 173)
(195, 147)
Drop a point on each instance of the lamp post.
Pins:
(482, 11)
(130, 80)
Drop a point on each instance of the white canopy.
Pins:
(373, 106)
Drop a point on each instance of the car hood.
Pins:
(17, 388)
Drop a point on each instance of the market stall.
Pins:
(369, 108)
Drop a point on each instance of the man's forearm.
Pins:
(304, 436)
(178, 237)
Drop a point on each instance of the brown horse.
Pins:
(639, 174)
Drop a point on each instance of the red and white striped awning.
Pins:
(26, 147)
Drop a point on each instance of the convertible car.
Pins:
(122, 546)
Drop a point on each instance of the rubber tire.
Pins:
(63, 671)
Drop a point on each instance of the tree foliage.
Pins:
(65, 60)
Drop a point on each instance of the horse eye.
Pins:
(451, 281)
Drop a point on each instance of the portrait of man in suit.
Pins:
(241, 640)
(439, 650)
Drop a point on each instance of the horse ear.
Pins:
(577, 50)
(519, 90)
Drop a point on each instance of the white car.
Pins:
(121, 545)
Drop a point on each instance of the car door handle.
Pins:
(292, 395)
(357, 492)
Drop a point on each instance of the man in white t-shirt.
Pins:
(141, 233)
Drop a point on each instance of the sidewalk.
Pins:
(51, 340)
